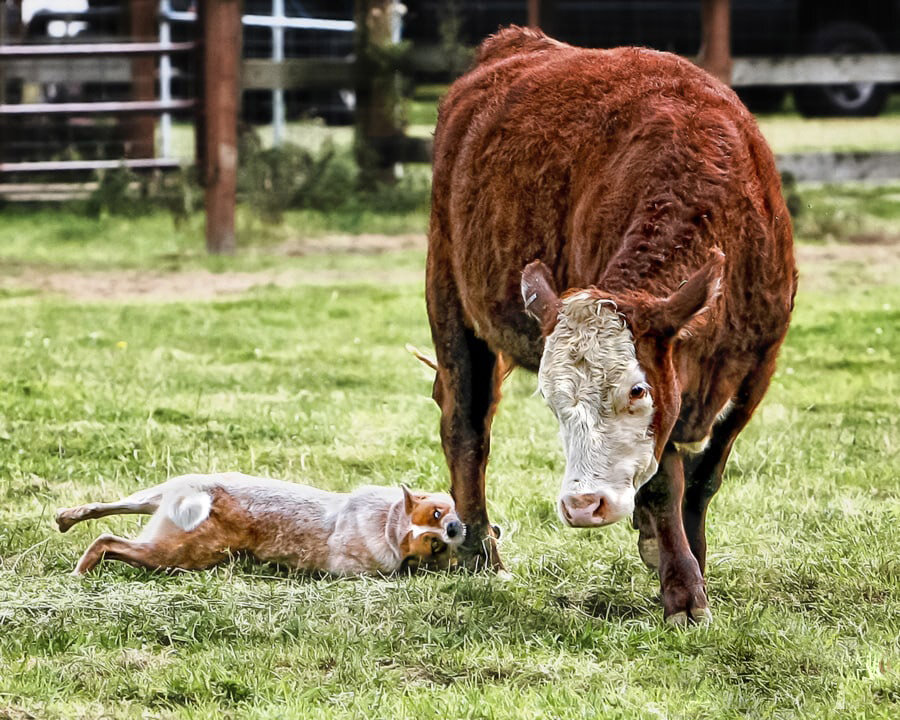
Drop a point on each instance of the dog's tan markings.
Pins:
(200, 520)
(424, 543)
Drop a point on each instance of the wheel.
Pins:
(850, 100)
(762, 99)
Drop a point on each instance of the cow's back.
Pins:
(581, 158)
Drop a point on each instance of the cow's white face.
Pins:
(591, 379)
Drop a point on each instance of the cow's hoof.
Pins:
(480, 552)
(696, 616)
(648, 548)
(686, 605)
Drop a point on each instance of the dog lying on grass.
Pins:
(200, 520)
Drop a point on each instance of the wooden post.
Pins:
(141, 128)
(534, 13)
(221, 28)
(715, 39)
(379, 128)
(543, 14)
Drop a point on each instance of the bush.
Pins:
(270, 182)
(273, 180)
(115, 193)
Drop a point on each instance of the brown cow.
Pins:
(640, 186)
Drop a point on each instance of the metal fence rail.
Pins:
(278, 73)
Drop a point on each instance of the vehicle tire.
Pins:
(850, 100)
(762, 99)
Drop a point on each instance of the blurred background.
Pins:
(332, 103)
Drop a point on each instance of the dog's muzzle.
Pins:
(455, 530)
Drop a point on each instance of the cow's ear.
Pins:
(409, 502)
(665, 318)
(539, 295)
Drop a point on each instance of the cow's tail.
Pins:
(506, 367)
(422, 357)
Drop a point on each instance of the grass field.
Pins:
(304, 377)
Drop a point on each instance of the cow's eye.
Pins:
(437, 514)
(639, 391)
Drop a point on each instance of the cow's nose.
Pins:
(454, 528)
(591, 509)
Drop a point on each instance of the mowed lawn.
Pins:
(311, 383)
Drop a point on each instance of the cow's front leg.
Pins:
(659, 503)
(467, 389)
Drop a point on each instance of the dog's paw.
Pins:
(64, 520)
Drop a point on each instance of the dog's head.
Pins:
(435, 530)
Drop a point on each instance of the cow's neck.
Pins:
(663, 244)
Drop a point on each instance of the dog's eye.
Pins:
(437, 514)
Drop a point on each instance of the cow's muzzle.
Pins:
(593, 509)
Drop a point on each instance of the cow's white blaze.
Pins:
(588, 372)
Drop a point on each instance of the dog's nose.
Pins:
(454, 528)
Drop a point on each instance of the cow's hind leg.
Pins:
(648, 545)
(467, 389)
(704, 475)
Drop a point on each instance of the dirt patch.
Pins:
(874, 238)
(822, 267)
(826, 267)
(165, 286)
(160, 286)
(366, 244)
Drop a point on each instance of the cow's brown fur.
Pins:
(628, 171)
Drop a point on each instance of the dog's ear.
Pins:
(409, 502)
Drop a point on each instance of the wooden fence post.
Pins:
(141, 128)
(534, 13)
(715, 39)
(221, 28)
(379, 127)
(543, 14)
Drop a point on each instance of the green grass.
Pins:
(64, 238)
(311, 383)
(829, 213)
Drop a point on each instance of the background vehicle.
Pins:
(758, 28)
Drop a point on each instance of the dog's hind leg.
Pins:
(143, 502)
(110, 547)
(162, 545)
